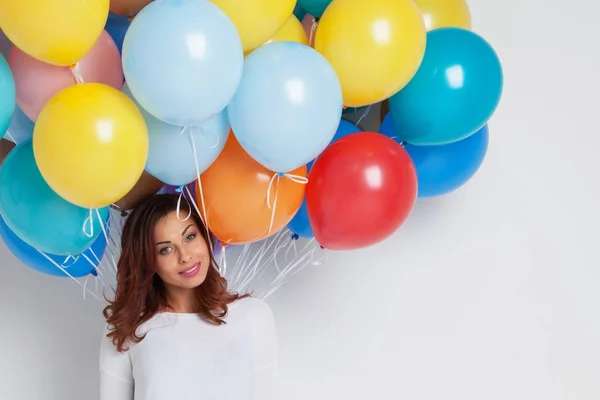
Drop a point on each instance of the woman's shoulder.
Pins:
(251, 304)
(252, 308)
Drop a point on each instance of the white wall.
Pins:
(489, 293)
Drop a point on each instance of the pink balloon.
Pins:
(307, 24)
(37, 82)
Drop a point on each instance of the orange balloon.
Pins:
(235, 191)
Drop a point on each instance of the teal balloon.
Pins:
(453, 94)
(36, 214)
(299, 12)
(171, 157)
(20, 128)
(315, 7)
(8, 99)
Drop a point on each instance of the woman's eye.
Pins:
(165, 250)
(191, 236)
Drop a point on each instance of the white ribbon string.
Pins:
(182, 196)
(204, 214)
(313, 30)
(89, 221)
(364, 114)
(66, 273)
(11, 138)
(76, 72)
(277, 177)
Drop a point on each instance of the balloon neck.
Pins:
(94, 272)
(224, 244)
(179, 189)
(281, 174)
(295, 236)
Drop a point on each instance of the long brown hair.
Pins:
(140, 292)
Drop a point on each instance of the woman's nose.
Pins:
(184, 257)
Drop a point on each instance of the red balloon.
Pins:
(361, 189)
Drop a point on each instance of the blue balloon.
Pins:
(300, 224)
(183, 60)
(116, 26)
(288, 105)
(8, 98)
(36, 214)
(444, 168)
(76, 266)
(21, 127)
(453, 94)
(171, 153)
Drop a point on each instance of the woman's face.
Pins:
(182, 254)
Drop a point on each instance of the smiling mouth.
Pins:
(191, 270)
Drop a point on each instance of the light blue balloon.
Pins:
(444, 168)
(8, 98)
(21, 127)
(183, 60)
(171, 153)
(36, 214)
(453, 94)
(288, 106)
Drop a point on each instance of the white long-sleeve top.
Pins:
(184, 357)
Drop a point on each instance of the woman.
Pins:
(174, 331)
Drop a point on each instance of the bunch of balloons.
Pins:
(245, 102)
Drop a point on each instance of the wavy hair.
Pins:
(140, 293)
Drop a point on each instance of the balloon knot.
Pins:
(94, 272)
(295, 236)
(224, 244)
(281, 174)
(179, 189)
(322, 248)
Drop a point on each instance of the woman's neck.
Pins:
(182, 300)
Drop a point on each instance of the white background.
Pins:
(492, 292)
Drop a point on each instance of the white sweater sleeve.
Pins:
(116, 377)
(266, 344)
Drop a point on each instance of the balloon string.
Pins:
(89, 221)
(364, 114)
(313, 30)
(223, 261)
(204, 214)
(11, 138)
(273, 206)
(76, 73)
(64, 271)
(182, 196)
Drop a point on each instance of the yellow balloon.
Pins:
(91, 144)
(59, 32)
(375, 46)
(445, 13)
(292, 31)
(257, 20)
